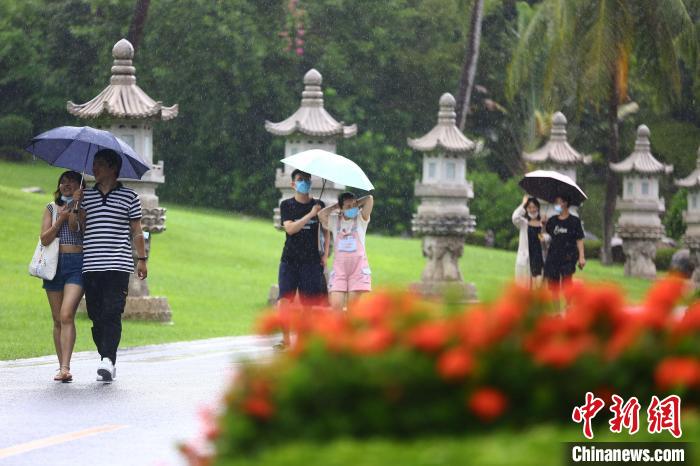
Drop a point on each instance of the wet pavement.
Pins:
(137, 420)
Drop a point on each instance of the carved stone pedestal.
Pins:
(692, 242)
(443, 245)
(639, 247)
(639, 258)
(451, 291)
(151, 308)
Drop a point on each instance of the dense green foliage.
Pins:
(493, 212)
(663, 258)
(395, 366)
(385, 64)
(538, 446)
(673, 221)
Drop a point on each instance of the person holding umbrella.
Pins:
(566, 248)
(111, 214)
(351, 275)
(301, 265)
(66, 288)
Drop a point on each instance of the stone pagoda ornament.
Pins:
(124, 109)
(309, 127)
(639, 224)
(557, 155)
(691, 217)
(443, 218)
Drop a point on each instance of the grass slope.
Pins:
(215, 268)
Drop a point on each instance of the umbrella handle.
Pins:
(322, 188)
(82, 175)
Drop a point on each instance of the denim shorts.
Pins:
(69, 271)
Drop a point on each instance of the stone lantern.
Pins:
(124, 109)
(639, 224)
(557, 155)
(691, 217)
(309, 127)
(443, 218)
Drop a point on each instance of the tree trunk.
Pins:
(611, 179)
(471, 58)
(138, 21)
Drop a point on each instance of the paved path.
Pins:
(136, 421)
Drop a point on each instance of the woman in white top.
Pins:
(529, 261)
(351, 275)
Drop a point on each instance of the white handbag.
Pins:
(45, 259)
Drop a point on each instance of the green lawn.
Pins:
(215, 268)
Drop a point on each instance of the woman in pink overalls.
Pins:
(351, 275)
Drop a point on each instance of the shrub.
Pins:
(15, 131)
(14, 154)
(513, 244)
(663, 258)
(673, 220)
(591, 248)
(493, 203)
(397, 366)
(477, 238)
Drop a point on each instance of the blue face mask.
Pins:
(351, 213)
(66, 199)
(303, 186)
(557, 208)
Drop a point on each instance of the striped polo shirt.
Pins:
(107, 238)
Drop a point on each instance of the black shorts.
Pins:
(307, 279)
(558, 271)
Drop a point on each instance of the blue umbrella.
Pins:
(74, 148)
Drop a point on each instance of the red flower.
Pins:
(372, 341)
(269, 323)
(678, 372)
(372, 308)
(563, 351)
(590, 305)
(507, 314)
(661, 299)
(623, 338)
(258, 406)
(332, 327)
(487, 403)
(690, 322)
(475, 328)
(455, 364)
(429, 336)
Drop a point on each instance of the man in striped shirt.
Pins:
(111, 214)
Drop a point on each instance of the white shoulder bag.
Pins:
(45, 259)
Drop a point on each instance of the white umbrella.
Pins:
(549, 185)
(331, 167)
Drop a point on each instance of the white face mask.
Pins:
(532, 216)
(557, 208)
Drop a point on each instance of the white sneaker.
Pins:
(106, 372)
